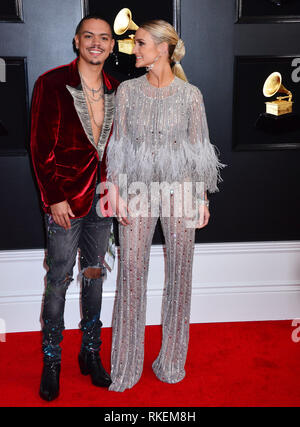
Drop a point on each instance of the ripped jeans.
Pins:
(90, 234)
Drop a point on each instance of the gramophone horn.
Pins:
(124, 22)
(273, 85)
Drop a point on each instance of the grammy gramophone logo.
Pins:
(279, 116)
(273, 86)
(123, 23)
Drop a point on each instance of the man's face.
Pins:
(94, 41)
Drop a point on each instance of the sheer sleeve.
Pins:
(207, 167)
(116, 150)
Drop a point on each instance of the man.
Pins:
(72, 114)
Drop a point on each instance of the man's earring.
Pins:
(116, 58)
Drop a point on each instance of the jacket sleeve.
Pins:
(45, 122)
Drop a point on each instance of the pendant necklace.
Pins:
(90, 100)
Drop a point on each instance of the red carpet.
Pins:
(229, 364)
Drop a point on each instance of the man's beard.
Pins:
(95, 63)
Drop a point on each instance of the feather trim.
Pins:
(197, 162)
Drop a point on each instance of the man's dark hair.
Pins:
(86, 18)
(92, 16)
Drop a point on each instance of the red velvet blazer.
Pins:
(64, 155)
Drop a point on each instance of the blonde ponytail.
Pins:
(177, 56)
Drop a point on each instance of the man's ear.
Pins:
(113, 42)
(76, 41)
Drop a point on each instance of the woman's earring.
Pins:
(149, 67)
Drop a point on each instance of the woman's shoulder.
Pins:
(190, 89)
(191, 93)
(131, 83)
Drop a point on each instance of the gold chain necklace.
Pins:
(91, 89)
(99, 126)
(92, 97)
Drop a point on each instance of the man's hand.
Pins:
(61, 213)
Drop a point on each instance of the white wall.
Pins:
(231, 282)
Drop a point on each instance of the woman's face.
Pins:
(145, 49)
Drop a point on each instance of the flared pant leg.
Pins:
(130, 305)
(129, 316)
(176, 305)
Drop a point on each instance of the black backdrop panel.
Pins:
(251, 203)
(11, 11)
(253, 128)
(268, 11)
(14, 108)
(259, 199)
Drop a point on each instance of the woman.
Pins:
(160, 136)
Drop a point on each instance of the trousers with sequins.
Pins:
(129, 317)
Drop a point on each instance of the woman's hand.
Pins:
(203, 216)
(118, 205)
(122, 212)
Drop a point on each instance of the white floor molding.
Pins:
(231, 282)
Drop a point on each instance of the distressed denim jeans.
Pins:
(90, 235)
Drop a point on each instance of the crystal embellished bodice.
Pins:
(161, 134)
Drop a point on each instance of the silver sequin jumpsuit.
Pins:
(160, 135)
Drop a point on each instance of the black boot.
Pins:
(90, 364)
(49, 389)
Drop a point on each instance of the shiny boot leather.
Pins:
(49, 389)
(90, 364)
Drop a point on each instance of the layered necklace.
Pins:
(92, 96)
